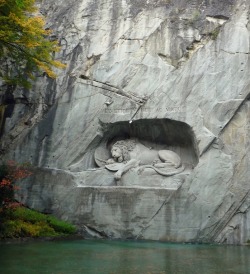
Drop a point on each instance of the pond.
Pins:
(122, 257)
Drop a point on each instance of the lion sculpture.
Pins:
(130, 153)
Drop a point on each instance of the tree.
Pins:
(25, 47)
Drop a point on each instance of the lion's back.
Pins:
(170, 156)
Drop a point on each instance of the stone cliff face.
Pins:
(168, 72)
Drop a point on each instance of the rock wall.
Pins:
(180, 62)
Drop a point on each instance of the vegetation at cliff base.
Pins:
(18, 221)
(25, 46)
(24, 222)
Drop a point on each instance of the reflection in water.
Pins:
(96, 256)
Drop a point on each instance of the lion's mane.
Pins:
(125, 146)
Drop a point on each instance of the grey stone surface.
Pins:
(171, 72)
(131, 154)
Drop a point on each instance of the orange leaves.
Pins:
(5, 183)
(14, 172)
(17, 172)
(11, 205)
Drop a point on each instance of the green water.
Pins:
(97, 256)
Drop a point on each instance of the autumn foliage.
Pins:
(9, 174)
(25, 46)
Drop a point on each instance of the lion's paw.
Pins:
(140, 170)
(118, 175)
(156, 162)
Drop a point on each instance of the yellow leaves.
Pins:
(2, 2)
(58, 64)
(32, 25)
(45, 68)
(30, 44)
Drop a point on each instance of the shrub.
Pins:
(9, 174)
(24, 222)
(19, 228)
(28, 215)
(61, 226)
(10, 229)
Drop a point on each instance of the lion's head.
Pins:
(120, 150)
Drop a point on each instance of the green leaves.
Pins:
(20, 3)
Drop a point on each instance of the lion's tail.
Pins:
(167, 173)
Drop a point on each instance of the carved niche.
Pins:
(147, 150)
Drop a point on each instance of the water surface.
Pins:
(101, 257)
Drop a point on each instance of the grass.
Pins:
(24, 222)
